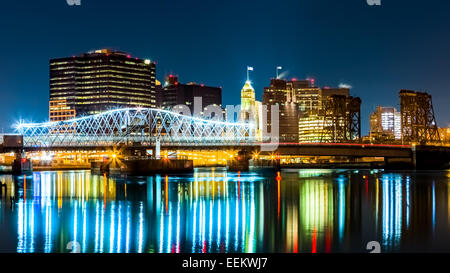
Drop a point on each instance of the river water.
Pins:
(212, 210)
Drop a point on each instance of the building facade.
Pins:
(60, 111)
(281, 93)
(248, 103)
(102, 80)
(385, 124)
(302, 113)
(251, 109)
(337, 120)
(174, 93)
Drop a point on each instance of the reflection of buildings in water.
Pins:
(76, 207)
(316, 213)
(206, 215)
(395, 209)
(117, 227)
(313, 205)
(219, 216)
(59, 185)
(216, 211)
(341, 206)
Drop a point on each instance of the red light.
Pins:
(294, 79)
(314, 241)
(202, 85)
(128, 56)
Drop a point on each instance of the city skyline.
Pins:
(241, 129)
(352, 57)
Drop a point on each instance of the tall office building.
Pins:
(248, 102)
(301, 103)
(328, 115)
(385, 124)
(174, 93)
(102, 80)
(281, 93)
(251, 109)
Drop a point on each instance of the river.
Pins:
(215, 211)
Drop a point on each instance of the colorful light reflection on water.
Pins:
(302, 211)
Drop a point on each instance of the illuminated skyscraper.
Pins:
(385, 124)
(102, 80)
(300, 102)
(251, 109)
(281, 93)
(337, 121)
(248, 102)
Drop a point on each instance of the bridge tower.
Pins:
(341, 119)
(417, 116)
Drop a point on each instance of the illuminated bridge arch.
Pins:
(129, 126)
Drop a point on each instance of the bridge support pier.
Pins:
(391, 163)
(430, 158)
(3, 185)
(21, 164)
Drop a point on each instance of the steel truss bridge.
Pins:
(142, 126)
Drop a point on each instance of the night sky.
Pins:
(403, 44)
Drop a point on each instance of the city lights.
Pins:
(175, 140)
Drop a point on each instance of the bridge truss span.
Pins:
(142, 126)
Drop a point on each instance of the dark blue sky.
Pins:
(377, 50)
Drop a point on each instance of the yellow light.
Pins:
(114, 156)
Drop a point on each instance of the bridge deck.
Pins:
(288, 149)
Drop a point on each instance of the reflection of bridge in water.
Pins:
(218, 211)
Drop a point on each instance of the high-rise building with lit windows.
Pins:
(102, 80)
(300, 102)
(248, 102)
(385, 124)
(59, 111)
(281, 93)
